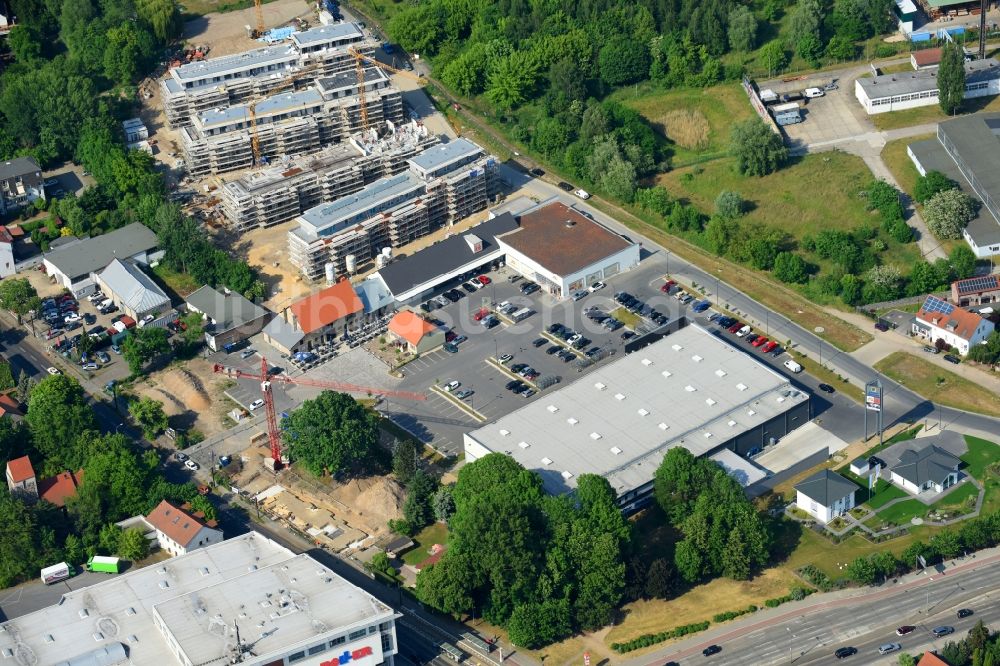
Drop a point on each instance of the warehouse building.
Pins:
(908, 90)
(246, 600)
(320, 52)
(219, 140)
(75, 264)
(967, 150)
(687, 389)
(441, 185)
(476, 250)
(132, 290)
(565, 250)
(281, 193)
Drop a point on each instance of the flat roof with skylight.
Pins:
(279, 601)
(689, 389)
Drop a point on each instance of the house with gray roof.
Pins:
(229, 318)
(75, 264)
(132, 290)
(927, 468)
(825, 495)
(21, 183)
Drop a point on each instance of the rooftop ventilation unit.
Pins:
(663, 426)
(720, 373)
(615, 450)
(677, 348)
(647, 362)
(571, 421)
(731, 423)
(546, 461)
(599, 386)
(504, 432)
(690, 389)
(619, 396)
(666, 374)
(567, 475)
(552, 408)
(709, 402)
(523, 445)
(696, 358)
(595, 436)
(643, 412)
(741, 386)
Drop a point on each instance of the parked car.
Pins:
(760, 341)
(667, 286)
(826, 388)
(116, 349)
(888, 648)
(742, 332)
(450, 348)
(711, 649)
(463, 394)
(701, 306)
(483, 280)
(538, 342)
(256, 404)
(247, 353)
(597, 286)
(103, 357)
(769, 347)
(90, 366)
(580, 295)
(529, 288)
(452, 385)
(881, 326)
(554, 349)
(192, 465)
(53, 371)
(564, 186)
(505, 358)
(459, 340)
(750, 339)
(844, 652)
(181, 457)
(930, 350)
(951, 358)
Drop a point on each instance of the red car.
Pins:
(769, 347)
(735, 327)
(759, 341)
(450, 335)
(478, 316)
(483, 280)
(670, 284)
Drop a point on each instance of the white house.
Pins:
(940, 320)
(929, 468)
(179, 532)
(6, 253)
(825, 495)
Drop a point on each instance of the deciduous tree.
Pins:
(951, 77)
(18, 296)
(757, 149)
(143, 345)
(149, 416)
(948, 211)
(742, 29)
(335, 434)
(930, 184)
(58, 414)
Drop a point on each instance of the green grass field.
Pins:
(699, 118)
(938, 384)
(902, 512)
(900, 164)
(423, 540)
(884, 494)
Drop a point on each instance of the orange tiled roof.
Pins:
(179, 525)
(20, 469)
(57, 489)
(408, 326)
(960, 322)
(326, 306)
(931, 659)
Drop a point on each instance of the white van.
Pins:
(813, 92)
(743, 331)
(793, 366)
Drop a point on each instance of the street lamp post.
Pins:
(819, 331)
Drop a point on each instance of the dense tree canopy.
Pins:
(951, 77)
(948, 211)
(58, 414)
(541, 566)
(757, 149)
(334, 434)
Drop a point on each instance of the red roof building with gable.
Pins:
(419, 334)
(57, 489)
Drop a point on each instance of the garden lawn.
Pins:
(938, 384)
(626, 317)
(900, 164)
(827, 556)
(695, 120)
(901, 512)
(423, 540)
(980, 454)
(885, 495)
(954, 502)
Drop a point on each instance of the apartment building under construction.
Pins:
(441, 185)
(281, 193)
(219, 141)
(199, 87)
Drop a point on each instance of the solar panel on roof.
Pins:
(935, 304)
(976, 284)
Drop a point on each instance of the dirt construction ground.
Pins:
(191, 395)
(226, 33)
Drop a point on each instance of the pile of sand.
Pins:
(685, 127)
(185, 388)
(378, 499)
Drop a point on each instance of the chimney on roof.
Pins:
(570, 224)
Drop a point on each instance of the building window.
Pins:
(357, 634)
(386, 642)
(372, 629)
(316, 649)
(298, 656)
(339, 640)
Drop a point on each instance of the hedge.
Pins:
(729, 615)
(652, 639)
(796, 594)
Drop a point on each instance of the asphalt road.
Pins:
(899, 403)
(811, 634)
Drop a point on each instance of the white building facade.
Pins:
(909, 90)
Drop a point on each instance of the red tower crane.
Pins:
(266, 378)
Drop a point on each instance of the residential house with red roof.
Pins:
(57, 489)
(931, 659)
(316, 319)
(938, 319)
(418, 334)
(179, 532)
(21, 479)
(9, 406)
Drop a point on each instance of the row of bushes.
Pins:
(814, 576)
(652, 639)
(797, 594)
(731, 615)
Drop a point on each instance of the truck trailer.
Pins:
(56, 573)
(104, 564)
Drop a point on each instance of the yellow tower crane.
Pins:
(359, 70)
(252, 107)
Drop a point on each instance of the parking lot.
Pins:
(835, 117)
(440, 421)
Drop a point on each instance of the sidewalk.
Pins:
(812, 604)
